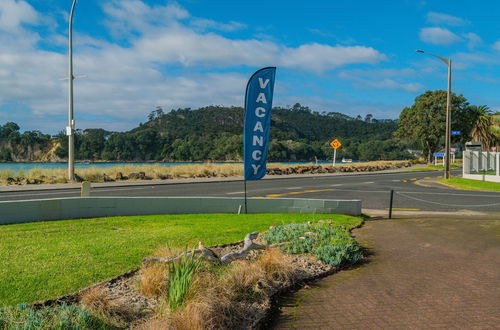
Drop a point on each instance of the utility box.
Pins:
(85, 190)
(473, 146)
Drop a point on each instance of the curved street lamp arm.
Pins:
(445, 60)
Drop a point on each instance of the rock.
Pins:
(78, 178)
(34, 181)
(106, 178)
(138, 176)
(120, 176)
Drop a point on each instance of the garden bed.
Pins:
(236, 295)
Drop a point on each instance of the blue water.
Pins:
(27, 166)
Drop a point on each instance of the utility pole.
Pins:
(70, 129)
(447, 143)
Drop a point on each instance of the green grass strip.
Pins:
(44, 260)
(468, 184)
(432, 168)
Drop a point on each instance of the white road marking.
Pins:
(120, 189)
(235, 193)
(294, 188)
(395, 180)
(336, 185)
(416, 193)
(49, 193)
(368, 182)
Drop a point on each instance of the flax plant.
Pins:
(180, 277)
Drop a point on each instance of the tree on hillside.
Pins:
(425, 120)
(482, 129)
(368, 118)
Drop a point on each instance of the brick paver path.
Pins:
(432, 273)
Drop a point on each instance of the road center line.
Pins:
(298, 192)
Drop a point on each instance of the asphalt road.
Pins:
(373, 189)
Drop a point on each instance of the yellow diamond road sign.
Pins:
(335, 144)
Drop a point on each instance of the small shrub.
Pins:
(56, 317)
(276, 265)
(96, 299)
(332, 245)
(180, 273)
(153, 280)
(115, 313)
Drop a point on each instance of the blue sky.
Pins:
(354, 57)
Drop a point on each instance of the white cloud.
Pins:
(206, 24)
(383, 73)
(445, 19)
(319, 58)
(377, 83)
(15, 13)
(496, 45)
(473, 40)
(438, 36)
(124, 83)
(466, 60)
(126, 16)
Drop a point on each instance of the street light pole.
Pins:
(70, 129)
(448, 115)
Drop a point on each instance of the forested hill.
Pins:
(215, 133)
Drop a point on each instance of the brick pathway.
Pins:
(427, 273)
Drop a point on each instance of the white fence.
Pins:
(483, 166)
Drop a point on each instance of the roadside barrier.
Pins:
(90, 207)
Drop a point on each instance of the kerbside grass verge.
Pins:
(159, 172)
(44, 260)
(433, 168)
(468, 184)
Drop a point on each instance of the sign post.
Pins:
(335, 144)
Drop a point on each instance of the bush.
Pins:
(332, 245)
(181, 272)
(57, 317)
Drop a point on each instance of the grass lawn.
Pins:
(468, 184)
(432, 168)
(44, 260)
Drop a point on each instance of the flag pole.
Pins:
(245, 183)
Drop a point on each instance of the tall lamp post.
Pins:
(70, 129)
(448, 115)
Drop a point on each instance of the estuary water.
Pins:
(27, 166)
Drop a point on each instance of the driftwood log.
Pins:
(210, 255)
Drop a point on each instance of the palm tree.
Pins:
(482, 129)
(495, 129)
